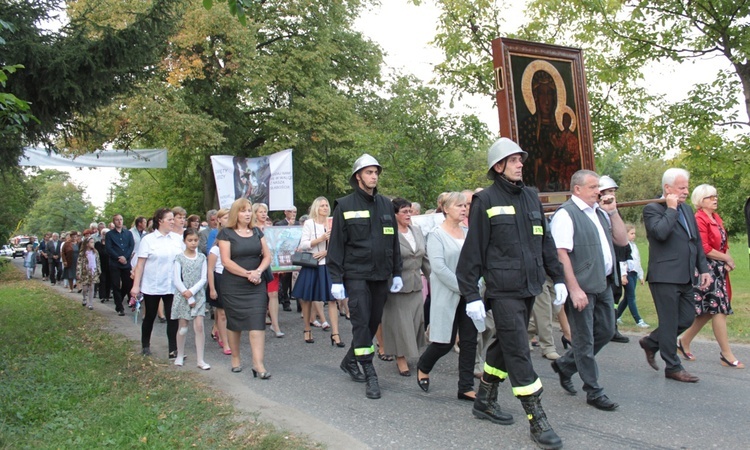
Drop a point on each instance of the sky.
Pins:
(404, 32)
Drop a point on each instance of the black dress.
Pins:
(245, 303)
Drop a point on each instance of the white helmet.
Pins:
(501, 149)
(606, 182)
(363, 161)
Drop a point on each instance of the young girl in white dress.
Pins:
(189, 304)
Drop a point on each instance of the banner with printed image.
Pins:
(266, 179)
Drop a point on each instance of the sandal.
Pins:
(310, 339)
(384, 357)
(326, 326)
(736, 364)
(687, 355)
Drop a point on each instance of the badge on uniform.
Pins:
(387, 230)
(538, 230)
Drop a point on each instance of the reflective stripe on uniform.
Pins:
(356, 215)
(496, 372)
(533, 388)
(501, 210)
(364, 351)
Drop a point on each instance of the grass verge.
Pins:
(65, 382)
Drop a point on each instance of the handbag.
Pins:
(304, 259)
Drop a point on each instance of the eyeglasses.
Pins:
(711, 197)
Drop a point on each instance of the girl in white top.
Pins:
(190, 302)
(215, 269)
(153, 277)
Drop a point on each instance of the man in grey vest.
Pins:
(584, 231)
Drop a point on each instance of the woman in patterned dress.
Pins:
(715, 303)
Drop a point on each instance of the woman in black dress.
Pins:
(245, 256)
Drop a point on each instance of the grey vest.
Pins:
(587, 258)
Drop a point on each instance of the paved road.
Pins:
(309, 394)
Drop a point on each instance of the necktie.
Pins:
(683, 221)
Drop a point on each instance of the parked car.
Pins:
(18, 250)
(6, 250)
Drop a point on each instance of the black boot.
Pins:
(372, 390)
(349, 365)
(486, 407)
(541, 431)
(619, 337)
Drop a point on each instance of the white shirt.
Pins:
(159, 251)
(180, 286)
(634, 264)
(311, 231)
(562, 230)
(218, 267)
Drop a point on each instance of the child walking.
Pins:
(635, 274)
(88, 271)
(29, 261)
(189, 304)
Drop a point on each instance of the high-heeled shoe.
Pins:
(337, 344)
(736, 364)
(262, 375)
(309, 340)
(566, 343)
(278, 334)
(687, 355)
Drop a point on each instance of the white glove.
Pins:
(398, 283)
(475, 310)
(337, 290)
(561, 294)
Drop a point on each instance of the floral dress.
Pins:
(716, 298)
(192, 275)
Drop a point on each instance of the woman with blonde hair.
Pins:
(448, 316)
(715, 303)
(314, 283)
(261, 221)
(215, 271)
(245, 256)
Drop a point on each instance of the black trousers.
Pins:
(467, 343)
(285, 288)
(55, 270)
(121, 284)
(675, 307)
(151, 303)
(508, 356)
(366, 302)
(45, 266)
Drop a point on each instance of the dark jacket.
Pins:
(364, 239)
(119, 243)
(508, 244)
(673, 254)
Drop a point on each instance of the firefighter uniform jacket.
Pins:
(508, 244)
(364, 241)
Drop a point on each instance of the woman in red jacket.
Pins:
(715, 302)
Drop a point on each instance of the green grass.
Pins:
(65, 382)
(738, 324)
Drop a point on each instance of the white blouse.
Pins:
(311, 231)
(159, 251)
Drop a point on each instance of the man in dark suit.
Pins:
(52, 250)
(675, 253)
(285, 279)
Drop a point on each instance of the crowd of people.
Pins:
(494, 268)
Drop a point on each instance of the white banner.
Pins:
(266, 179)
(122, 159)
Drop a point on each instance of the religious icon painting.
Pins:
(543, 106)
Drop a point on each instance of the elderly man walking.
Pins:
(675, 255)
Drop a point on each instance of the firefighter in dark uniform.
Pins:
(363, 254)
(509, 245)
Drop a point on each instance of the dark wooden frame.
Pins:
(511, 59)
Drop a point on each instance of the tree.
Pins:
(18, 197)
(60, 206)
(425, 150)
(292, 78)
(76, 69)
